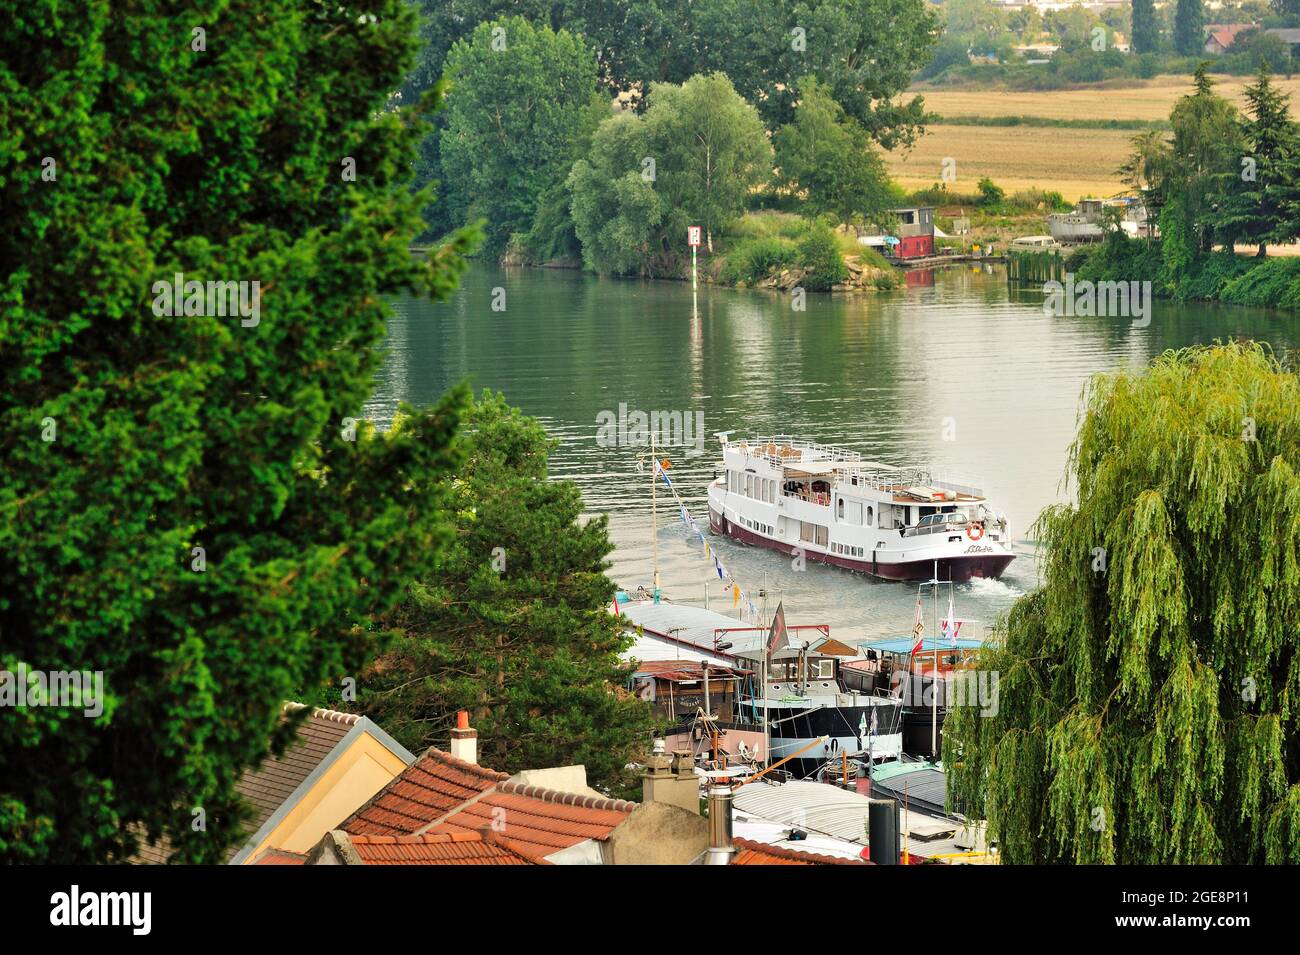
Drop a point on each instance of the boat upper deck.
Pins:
(809, 460)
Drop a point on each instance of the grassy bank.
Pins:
(781, 250)
(1222, 276)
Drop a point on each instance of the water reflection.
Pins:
(891, 375)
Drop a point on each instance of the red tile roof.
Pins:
(443, 795)
(460, 848)
(540, 820)
(432, 786)
(279, 857)
(756, 853)
(1226, 35)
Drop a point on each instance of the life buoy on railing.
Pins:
(974, 530)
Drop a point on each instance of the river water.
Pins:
(956, 370)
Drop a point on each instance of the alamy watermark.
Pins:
(71, 689)
(634, 429)
(209, 299)
(1130, 299)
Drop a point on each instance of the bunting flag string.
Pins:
(738, 594)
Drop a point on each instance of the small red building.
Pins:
(915, 232)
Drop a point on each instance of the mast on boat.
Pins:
(933, 583)
(654, 511)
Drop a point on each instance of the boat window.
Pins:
(871, 511)
(839, 508)
(823, 669)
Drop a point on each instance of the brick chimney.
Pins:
(464, 740)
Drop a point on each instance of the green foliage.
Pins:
(1207, 277)
(175, 432)
(514, 625)
(552, 236)
(1148, 713)
(819, 253)
(829, 160)
(520, 102)
(639, 45)
(615, 210)
(752, 260)
(1146, 29)
(991, 195)
(708, 150)
(1189, 27)
(1253, 50)
(1250, 200)
(1206, 145)
(1120, 258)
(1271, 282)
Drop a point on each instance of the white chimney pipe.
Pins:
(464, 740)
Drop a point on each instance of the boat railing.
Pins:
(784, 449)
(957, 520)
(883, 480)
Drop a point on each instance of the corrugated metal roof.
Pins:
(648, 648)
(806, 805)
(693, 625)
(842, 816)
(925, 788)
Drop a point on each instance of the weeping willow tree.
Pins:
(1149, 691)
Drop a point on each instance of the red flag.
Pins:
(919, 629)
(778, 633)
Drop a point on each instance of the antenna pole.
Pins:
(934, 677)
(654, 510)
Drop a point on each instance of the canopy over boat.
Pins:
(928, 645)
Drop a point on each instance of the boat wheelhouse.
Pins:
(829, 505)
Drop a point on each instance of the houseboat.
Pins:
(829, 505)
(790, 699)
(924, 677)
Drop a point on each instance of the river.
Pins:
(955, 370)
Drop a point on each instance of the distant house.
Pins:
(1040, 50)
(337, 762)
(1219, 36)
(1288, 35)
(915, 232)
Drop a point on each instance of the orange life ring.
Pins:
(974, 530)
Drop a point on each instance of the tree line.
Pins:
(1220, 178)
(567, 149)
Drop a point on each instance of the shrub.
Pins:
(991, 195)
(752, 260)
(1268, 284)
(819, 253)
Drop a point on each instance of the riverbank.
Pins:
(1221, 276)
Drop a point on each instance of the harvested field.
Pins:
(1075, 162)
(1150, 101)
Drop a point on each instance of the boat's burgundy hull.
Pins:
(956, 569)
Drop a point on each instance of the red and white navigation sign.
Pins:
(693, 235)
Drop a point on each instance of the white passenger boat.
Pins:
(827, 504)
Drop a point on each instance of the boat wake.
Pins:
(997, 589)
